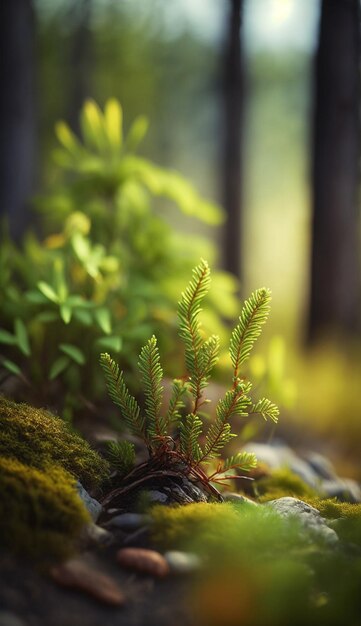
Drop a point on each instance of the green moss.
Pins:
(175, 526)
(284, 483)
(223, 530)
(331, 508)
(347, 516)
(41, 514)
(38, 439)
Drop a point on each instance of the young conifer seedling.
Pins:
(178, 441)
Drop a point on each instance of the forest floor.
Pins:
(36, 600)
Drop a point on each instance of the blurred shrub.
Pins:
(261, 569)
(110, 268)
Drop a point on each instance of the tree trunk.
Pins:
(17, 113)
(80, 60)
(335, 269)
(232, 138)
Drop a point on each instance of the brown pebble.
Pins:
(76, 574)
(144, 561)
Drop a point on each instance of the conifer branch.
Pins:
(208, 357)
(235, 402)
(266, 408)
(121, 456)
(243, 461)
(152, 375)
(120, 395)
(189, 327)
(190, 430)
(176, 403)
(253, 315)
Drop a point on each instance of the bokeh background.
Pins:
(257, 103)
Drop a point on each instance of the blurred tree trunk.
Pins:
(231, 153)
(17, 113)
(335, 269)
(80, 60)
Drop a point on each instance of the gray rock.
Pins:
(96, 535)
(177, 494)
(182, 562)
(8, 618)
(345, 490)
(309, 517)
(156, 497)
(269, 454)
(128, 521)
(238, 498)
(277, 455)
(93, 506)
(193, 491)
(321, 465)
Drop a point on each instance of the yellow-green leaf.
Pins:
(73, 352)
(113, 118)
(58, 367)
(22, 336)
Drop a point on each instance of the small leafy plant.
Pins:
(178, 442)
(108, 269)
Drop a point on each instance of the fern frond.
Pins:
(189, 308)
(120, 395)
(244, 461)
(190, 430)
(253, 315)
(208, 357)
(266, 408)
(176, 403)
(152, 375)
(121, 456)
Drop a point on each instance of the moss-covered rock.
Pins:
(284, 483)
(37, 438)
(346, 517)
(176, 526)
(331, 508)
(41, 514)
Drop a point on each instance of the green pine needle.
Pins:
(254, 314)
(121, 456)
(190, 430)
(120, 395)
(189, 308)
(176, 402)
(266, 408)
(152, 375)
(218, 435)
(235, 402)
(208, 357)
(243, 461)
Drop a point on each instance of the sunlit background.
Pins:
(164, 59)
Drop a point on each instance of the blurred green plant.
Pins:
(261, 569)
(174, 439)
(108, 273)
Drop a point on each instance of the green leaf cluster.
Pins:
(177, 434)
(110, 267)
